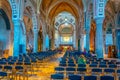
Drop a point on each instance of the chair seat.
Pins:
(109, 70)
(90, 78)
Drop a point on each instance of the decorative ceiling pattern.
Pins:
(112, 11)
(50, 9)
(65, 23)
(63, 18)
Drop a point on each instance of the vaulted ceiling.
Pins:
(49, 9)
(112, 11)
(53, 7)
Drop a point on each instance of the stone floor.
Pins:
(47, 68)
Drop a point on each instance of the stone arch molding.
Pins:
(34, 25)
(17, 18)
(34, 16)
(15, 12)
(7, 27)
(69, 2)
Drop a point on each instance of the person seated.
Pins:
(81, 59)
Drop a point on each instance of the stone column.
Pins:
(57, 39)
(52, 43)
(87, 27)
(104, 41)
(24, 43)
(44, 43)
(79, 45)
(22, 38)
(74, 39)
(35, 49)
(114, 36)
(82, 41)
(47, 42)
(99, 37)
(87, 40)
(16, 37)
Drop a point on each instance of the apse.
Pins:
(64, 29)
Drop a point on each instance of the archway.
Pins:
(30, 21)
(5, 34)
(29, 32)
(65, 33)
(6, 29)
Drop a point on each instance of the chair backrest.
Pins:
(109, 70)
(71, 65)
(70, 69)
(63, 64)
(8, 67)
(94, 62)
(106, 78)
(11, 63)
(57, 76)
(96, 70)
(3, 74)
(81, 69)
(18, 67)
(90, 77)
(93, 65)
(74, 77)
(117, 62)
(103, 66)
(118, 71)
(59, 69)
(3, 62)
(27, 63)
(81, 65)
(112, 66)
(1, 66)
(103, 62)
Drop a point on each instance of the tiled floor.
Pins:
(47, 68)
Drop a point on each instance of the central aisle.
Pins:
(47, 68)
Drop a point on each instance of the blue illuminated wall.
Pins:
(84, 41)
(47, 42)
(109, 39)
